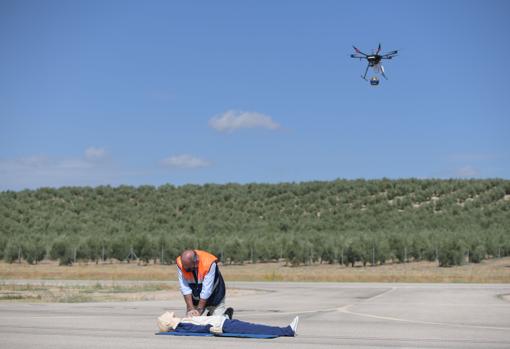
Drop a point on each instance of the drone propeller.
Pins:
(378, 49)
(382, 72)
(357, 56)
(358, 51)
(389, 55)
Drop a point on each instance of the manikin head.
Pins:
(168, 322)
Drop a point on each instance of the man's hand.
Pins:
(190, 309)
(201, 305)
(193, 312)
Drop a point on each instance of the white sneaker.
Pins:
(294, 325)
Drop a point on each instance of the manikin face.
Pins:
(168, 322)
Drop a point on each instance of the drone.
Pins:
(374, 61)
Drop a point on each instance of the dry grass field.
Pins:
(86, 293)
(489, 271)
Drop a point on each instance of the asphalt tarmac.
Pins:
(339, 315)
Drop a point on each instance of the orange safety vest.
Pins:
(205, 261)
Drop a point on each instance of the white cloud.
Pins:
(38, 171)
(467, 171)
(32, 161)
(74, 164)
(93, 153)
(184, 161)
(232, 120)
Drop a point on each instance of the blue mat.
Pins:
(237, 335)
(184, 334)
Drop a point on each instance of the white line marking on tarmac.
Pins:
(57, 317)
(297, 312)
(84, 316)
(345, 309)
(328, 309)
(380, 294)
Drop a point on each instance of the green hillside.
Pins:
(341, 221)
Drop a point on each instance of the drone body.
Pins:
(374, 62)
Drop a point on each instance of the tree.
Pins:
(296, 252)
(167, 249)
(121, 248)
(235, 251)
(404, 220)
(63, 250)
(13, 252)
(451, 252)
(3, 245)
(144, 248)
(357, 251)
(34, 250)
(477, 254)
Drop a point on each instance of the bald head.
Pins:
(187, 259)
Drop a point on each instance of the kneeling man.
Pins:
(201, 283)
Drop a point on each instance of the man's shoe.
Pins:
(229, 312)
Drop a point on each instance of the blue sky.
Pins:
(154, 92)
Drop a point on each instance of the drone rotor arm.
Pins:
(389, 55)
(364, 77)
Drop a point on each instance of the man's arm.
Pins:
(201, 306)
(207, 288)
(186, 291)
(189, 303)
